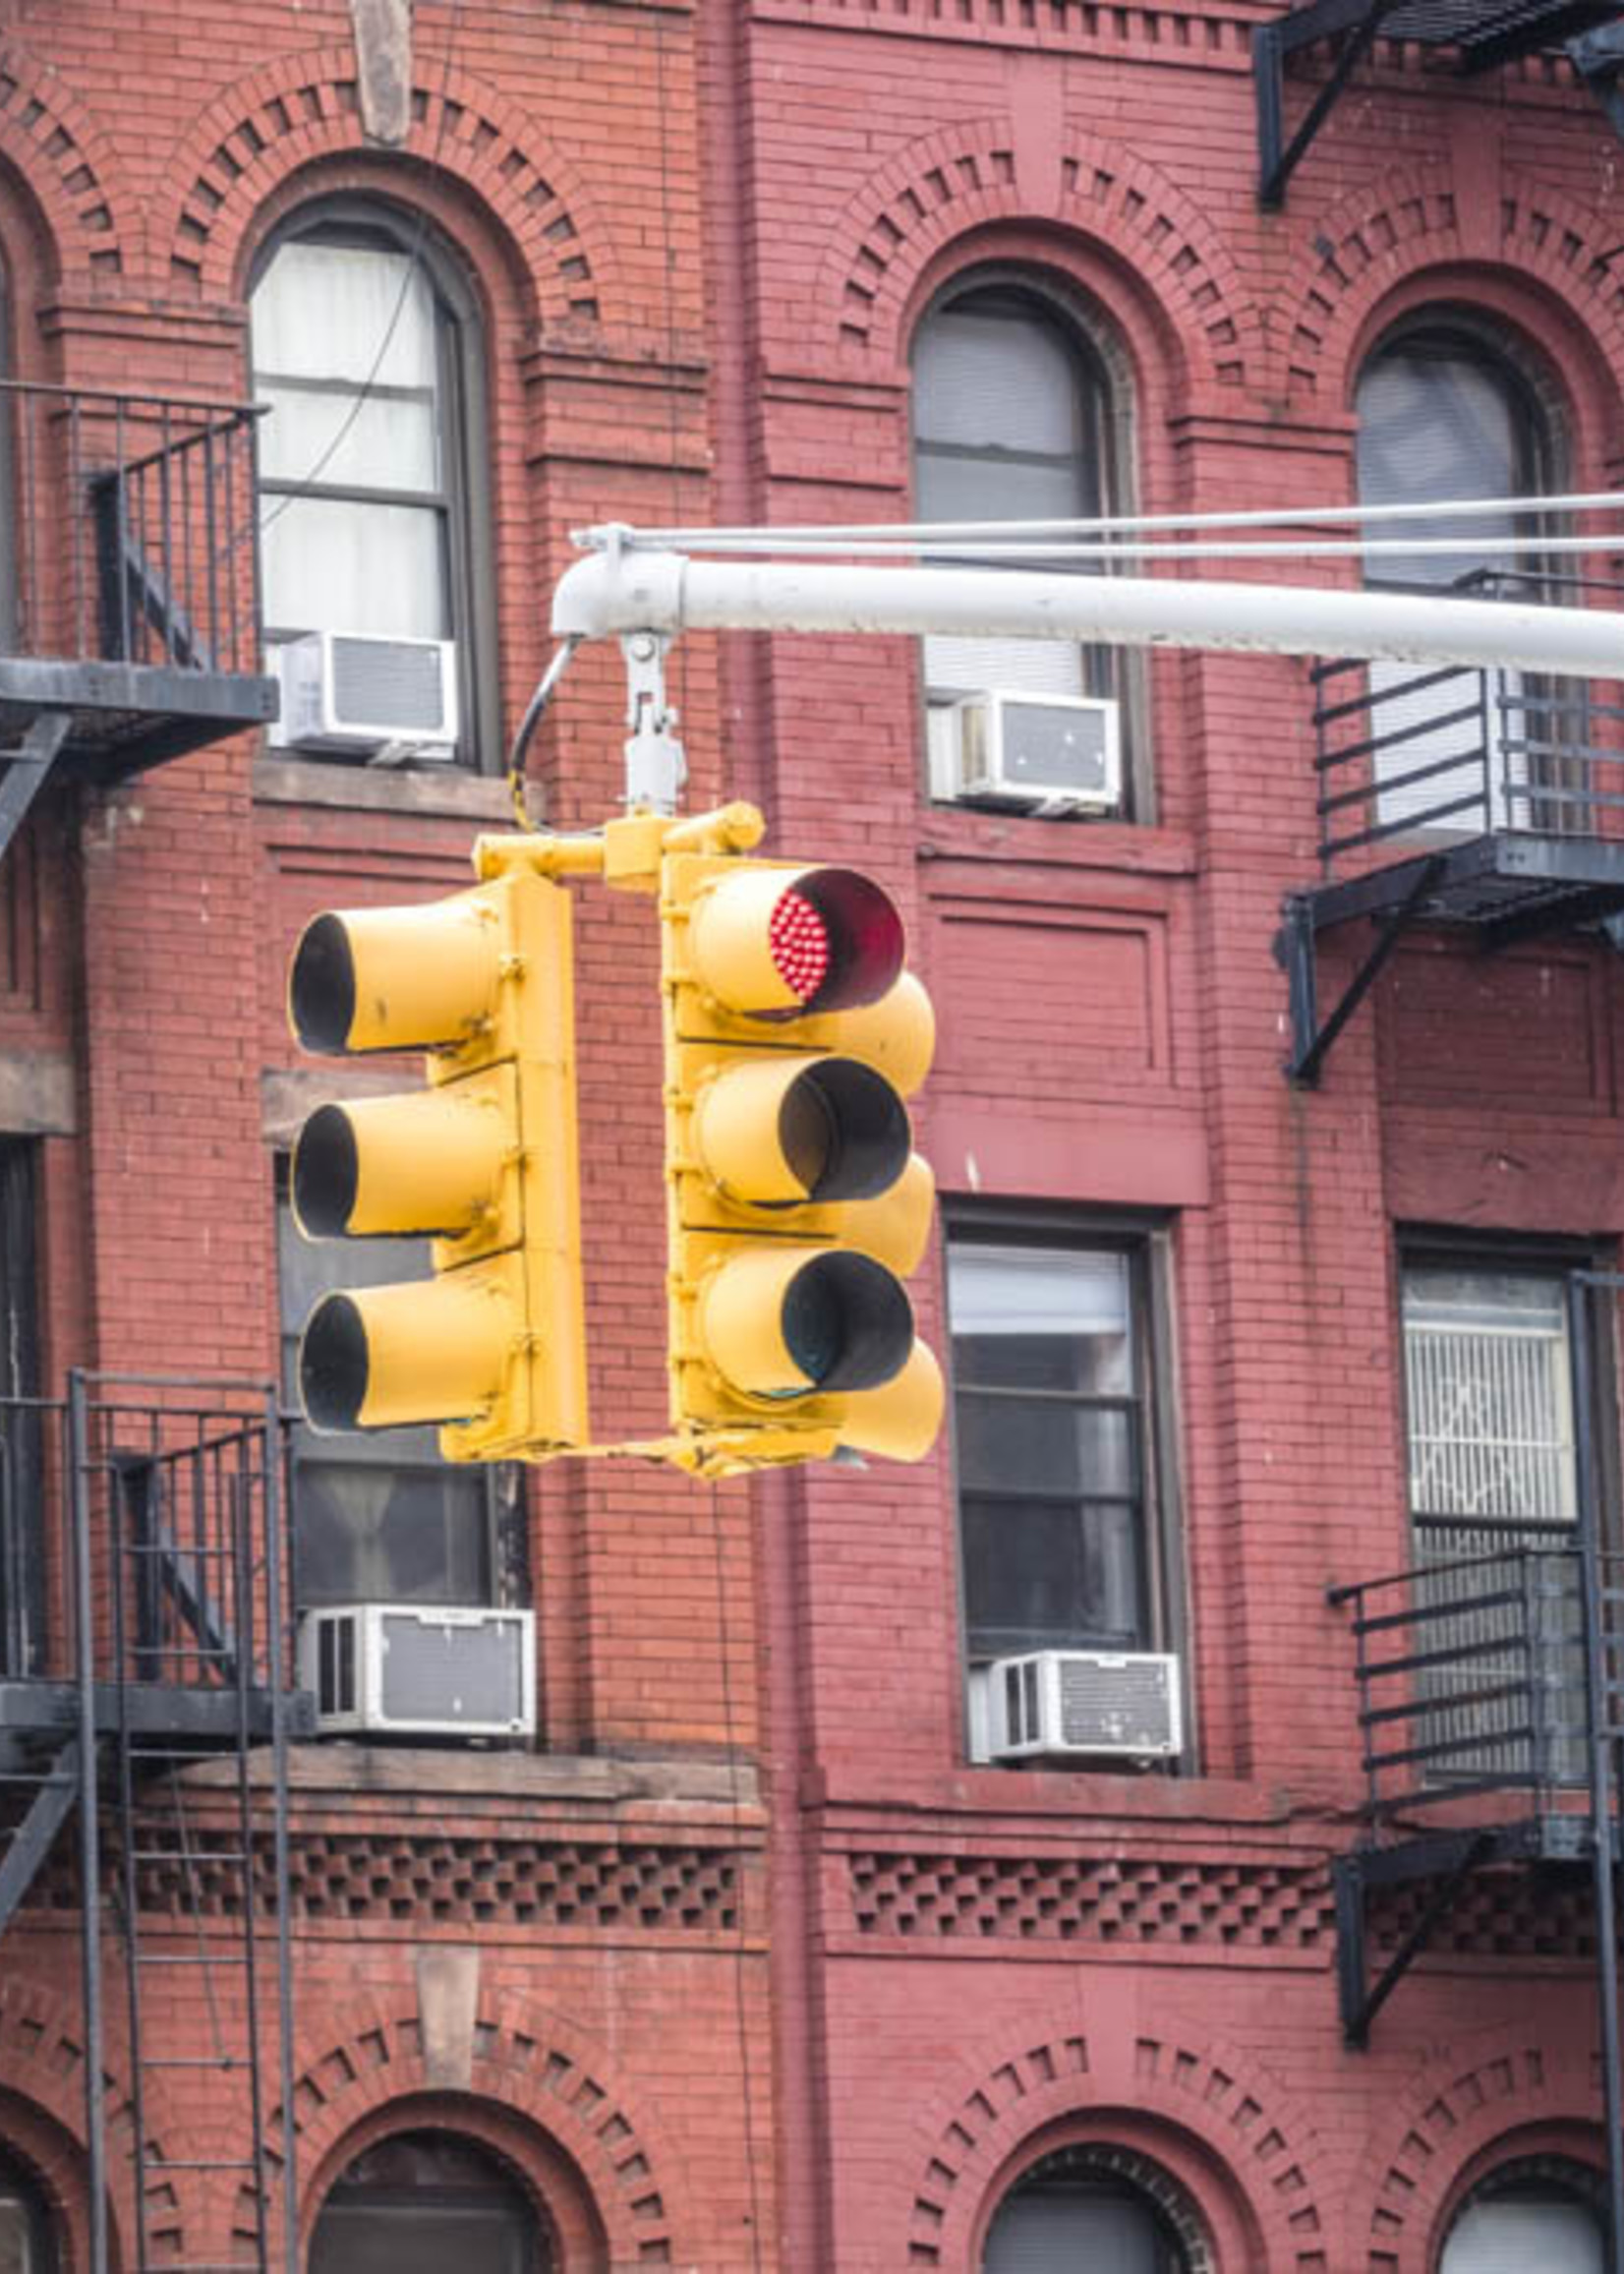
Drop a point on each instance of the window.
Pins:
(1543, 2214)
(1489, 1382)
(22, 1499)
(1081, 2208)
(1013, 419)
(367, 355)
(422, 2202)
(25, 2225)
(1051, 1407)
(1442, 416)
(379, 1517)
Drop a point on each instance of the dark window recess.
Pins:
(424, 2201)
(1050, 1414)
(26, 2244)
(377, 1516)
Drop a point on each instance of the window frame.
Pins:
(1178, 2228)
(1092, 345)
(1146, 1241)
(463, 403)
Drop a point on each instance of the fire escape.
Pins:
(145, 1694)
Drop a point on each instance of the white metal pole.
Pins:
(623, 589)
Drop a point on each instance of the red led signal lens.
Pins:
(797, 939)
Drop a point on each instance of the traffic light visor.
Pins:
(781, 1131)
(426, 1349)
(781, 1322)
(427, 1161)
(774, 943)
(413, 979)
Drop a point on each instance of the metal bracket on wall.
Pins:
(1305, 916)
(26, 769)
(1449, 1859)
(1357, 22)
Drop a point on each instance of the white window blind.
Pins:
(1057, 2233)
(1030, 1291)
(1510, 2236)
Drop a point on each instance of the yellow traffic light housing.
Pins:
(796, 1204)
(484, 1161)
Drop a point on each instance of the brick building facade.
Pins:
(758, 1959)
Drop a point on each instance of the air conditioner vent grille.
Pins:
(394, 683)
(433, 1672)
(1126, 1703)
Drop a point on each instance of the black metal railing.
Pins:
(1405, 747)
(128, 530)
(141, 1536)
(1471, 1677)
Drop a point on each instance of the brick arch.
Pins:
(527, 2062)
(946, 185)
(42, 2065)
(46, 135)
(283, 117)
(1372, 242)
(1155, 2091)
(1456, 2108)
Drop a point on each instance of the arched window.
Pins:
(372, 510)
(26, 2246)
(1085, 2207)
(1016, 414)
(421, 2202)
(1542, 2212)
(1444, 414)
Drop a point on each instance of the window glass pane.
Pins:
(1057, 2229)
(388, 441)
(16, 2238)
(1065, 1312)
(954, 666)
(1040, 1575)
(1490, 1409)
(345, 312)
(993, 379)
(1436, 425)
(331, 564)
(421, 2202)
(1510, 2236)
(1021, 1445)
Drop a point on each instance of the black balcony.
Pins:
(1484, 1673)
(1487, 799)
(129, 585)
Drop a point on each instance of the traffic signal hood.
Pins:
(797, 1205)
(484, 1161)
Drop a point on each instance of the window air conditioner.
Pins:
(1077, 1702)
(1062, 751)
(382, 698)
(394, 1669)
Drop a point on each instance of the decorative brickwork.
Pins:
(439, 1879)
(1174, 2085)
(44, 135)
(285, 116)
(1067, 26)
(526, 2060)
(942, 185)
(1053, 1898)
(1371, 243)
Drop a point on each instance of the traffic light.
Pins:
(483, 1160)
(796, 1203)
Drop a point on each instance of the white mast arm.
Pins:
(623, 589)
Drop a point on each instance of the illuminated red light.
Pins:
(798, 941)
